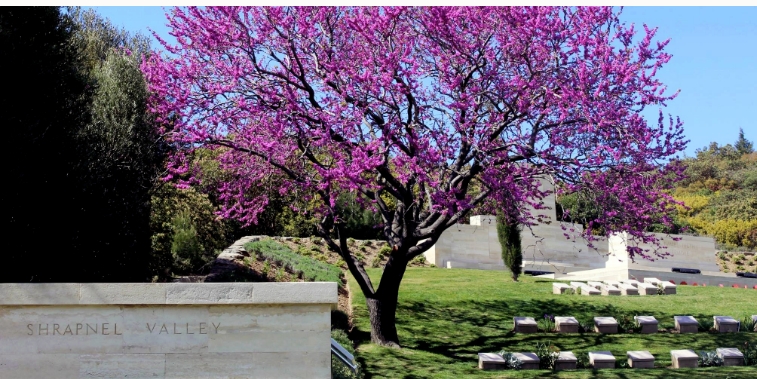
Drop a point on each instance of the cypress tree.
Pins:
(508, 233)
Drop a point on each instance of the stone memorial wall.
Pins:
(166, 330)
(557, 247)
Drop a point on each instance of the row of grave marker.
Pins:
(609, 325)
(566, 360)
(630, 287)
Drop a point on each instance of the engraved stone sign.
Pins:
(166, 330)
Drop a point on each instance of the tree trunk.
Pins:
(382, 306)
(382, 316)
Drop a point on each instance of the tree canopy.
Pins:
(436, 109)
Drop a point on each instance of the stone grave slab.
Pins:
(684, 358)
(669, 288)
(613, 283)
(646, 289)
(566, 361)
(589, 291)
(653, 281)
(628, 290)
(596, 285)
(648, 324)
(566, 324)
(640, 359)
(632, 282)
(559, 288)
(731, 356)
(525, 325)
(726, 324)
(530, 361)
(608, 290)
(605, 325)
(491, 361)
(686, 324)
(601, 359)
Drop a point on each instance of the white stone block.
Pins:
(122, 366)
(731, 356)
(559, 288)
(652, 281)
(123, 293)
(39, 293)
(726, 324)
(596, 285)
(30, 366)
(684, 358)
(646, 289)
(248, 365)
(209, 293)
(601, 359)
(491, 361)
(295, 293)
(608, 290)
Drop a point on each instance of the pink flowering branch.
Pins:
(442, 109)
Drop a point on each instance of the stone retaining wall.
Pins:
(166, 330)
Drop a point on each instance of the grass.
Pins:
(309, 268)
(446, 317)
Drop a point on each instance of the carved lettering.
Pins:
(108, 329)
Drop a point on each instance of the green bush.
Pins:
(709, 359)
(309, 268)
(339, 370)
(509, 239)
(186, 233)
(186, 249)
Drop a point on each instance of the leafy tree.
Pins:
(186, 233)
(743, 146)
(439, 109)
(94, 151)
(41, 117)
(508, 234)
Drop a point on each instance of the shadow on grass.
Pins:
(454, 333)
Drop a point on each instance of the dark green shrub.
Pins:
(508, 234)
(186, 249)
(709, 359)
(338, 369)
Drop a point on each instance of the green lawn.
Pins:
(445, 317)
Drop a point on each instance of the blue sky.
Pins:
(714, 63)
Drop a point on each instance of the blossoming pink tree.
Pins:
(437, 109)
